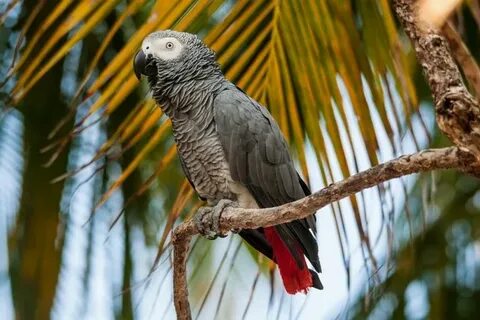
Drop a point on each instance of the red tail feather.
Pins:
(295, 279)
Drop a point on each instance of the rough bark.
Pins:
(458, 113)
(464, 58)
(181, 244)
(238, 218)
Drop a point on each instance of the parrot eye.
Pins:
(163, 48)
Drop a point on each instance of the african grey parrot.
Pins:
(230, 147)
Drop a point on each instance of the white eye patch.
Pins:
(163, 48)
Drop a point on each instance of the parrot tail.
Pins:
(295, 279)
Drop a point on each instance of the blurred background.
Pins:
(90, 185)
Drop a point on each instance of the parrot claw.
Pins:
(207, 219)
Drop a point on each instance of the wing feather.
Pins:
(259, 158)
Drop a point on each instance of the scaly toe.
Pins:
(217, 214)
(211, 235)
(207, 219)
(203, 226)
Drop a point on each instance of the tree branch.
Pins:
(238, 218)
(458, 113)
(462, 55)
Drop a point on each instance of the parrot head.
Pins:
(170, 57)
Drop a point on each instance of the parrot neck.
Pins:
(188, 97)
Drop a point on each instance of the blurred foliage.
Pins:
(437, 274)
(338, 76)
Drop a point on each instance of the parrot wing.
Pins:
(258, 157)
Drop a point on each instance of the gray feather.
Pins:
(247, 131)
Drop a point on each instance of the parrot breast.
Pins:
(202, 155)
(205, 166)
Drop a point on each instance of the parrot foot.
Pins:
(207, 219)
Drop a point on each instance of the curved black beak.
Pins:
(139, 63)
